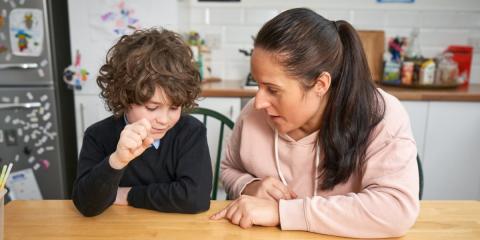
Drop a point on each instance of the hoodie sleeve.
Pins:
(386, 206)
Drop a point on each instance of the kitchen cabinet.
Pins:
(418, 112)
(447, 135)
(452, 151)
(89, 109)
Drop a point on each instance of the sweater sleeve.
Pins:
(96, 185)
(233, 175)
(386, 206)
(190, 191)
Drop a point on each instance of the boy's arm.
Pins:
(190, 191)
(95, 187)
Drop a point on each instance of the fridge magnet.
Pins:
(26, 32)
(36, 166)
(75, 75)
(40, 150)
(41, 73)
(45, 163)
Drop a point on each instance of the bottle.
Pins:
(427, 72)
(447, 71)
(413, 50)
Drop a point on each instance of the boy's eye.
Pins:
(174, 108)
(151, 108)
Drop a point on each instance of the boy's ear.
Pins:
(322, 84)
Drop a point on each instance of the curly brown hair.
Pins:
(140, 62)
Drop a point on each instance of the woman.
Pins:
(320, 148)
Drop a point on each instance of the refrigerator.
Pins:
(37, 124)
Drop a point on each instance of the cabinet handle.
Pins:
(20, 105)
(231, 112)
(18, 66)
(82, 119)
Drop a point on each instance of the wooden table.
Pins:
(58, 219)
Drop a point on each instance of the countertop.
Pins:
(470, 93)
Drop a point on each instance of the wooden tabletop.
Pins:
(234, 88)
(58, 219)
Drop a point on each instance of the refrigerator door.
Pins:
(24, 44)
(28, 139)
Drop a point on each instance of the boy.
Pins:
(147, 155)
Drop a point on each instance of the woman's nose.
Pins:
(261, 101)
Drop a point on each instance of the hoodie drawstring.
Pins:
(279, 171)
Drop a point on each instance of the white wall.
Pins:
(230, 24)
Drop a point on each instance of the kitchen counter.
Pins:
(471, 93)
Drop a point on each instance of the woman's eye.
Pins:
(272, 91)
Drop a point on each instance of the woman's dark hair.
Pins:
(308, 45)
(140, 62)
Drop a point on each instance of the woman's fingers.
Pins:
(275, 193)
(246, 222)
(222, 213)
(219, 215)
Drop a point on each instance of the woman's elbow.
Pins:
(400, 224)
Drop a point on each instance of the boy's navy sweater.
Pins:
(176, 177)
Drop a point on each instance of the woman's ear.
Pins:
(322, 83)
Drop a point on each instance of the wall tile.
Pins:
(240, 34)
(259, 16)
(224, 16)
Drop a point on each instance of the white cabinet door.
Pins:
(89, 109)
(452, 151)
(418, 113)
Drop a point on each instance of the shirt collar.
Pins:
(156, 142)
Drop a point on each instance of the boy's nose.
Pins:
(162, 119)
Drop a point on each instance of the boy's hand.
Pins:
(134, 139)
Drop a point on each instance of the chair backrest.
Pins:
(224, 121)
(420, 175)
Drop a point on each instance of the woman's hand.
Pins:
(247, 211)
(122, 196)
(269, 188)
(134, 139)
